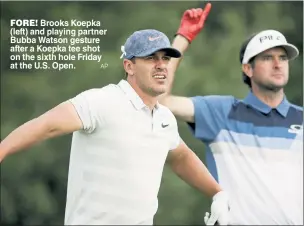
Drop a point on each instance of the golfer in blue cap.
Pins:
(122, 138)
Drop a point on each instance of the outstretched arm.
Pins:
(189, 168)
(185, 163)
(62, 119)
(192, 23)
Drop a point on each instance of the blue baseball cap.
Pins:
(146, 42)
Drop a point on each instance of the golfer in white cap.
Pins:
(254, 146)
(122, 137)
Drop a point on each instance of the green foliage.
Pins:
(33, 183)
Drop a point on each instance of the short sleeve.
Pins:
(86, 104)
(176, 140)
(210, 116)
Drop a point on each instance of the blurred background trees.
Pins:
(33, 183)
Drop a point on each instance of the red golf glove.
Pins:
(193, 21)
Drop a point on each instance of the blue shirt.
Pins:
(256, 154)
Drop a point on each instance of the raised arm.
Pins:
(62, 119)
(192, 23)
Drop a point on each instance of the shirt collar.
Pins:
(132, 95)
(252, 100)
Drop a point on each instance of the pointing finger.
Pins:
(205, 14)
(207, 9)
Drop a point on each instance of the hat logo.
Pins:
(269, 38)
(154, 38)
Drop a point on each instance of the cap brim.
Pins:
(292, 51)
(172, 52)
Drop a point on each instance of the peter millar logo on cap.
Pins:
(270, 38)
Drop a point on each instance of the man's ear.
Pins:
(247, 69)
(128, 66)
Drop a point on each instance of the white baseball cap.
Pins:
(266, 40)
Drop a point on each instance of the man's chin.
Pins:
(158, 92)
(275, 87)
(272, 86)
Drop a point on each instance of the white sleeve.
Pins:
(86, 105)
(176, 137)
(176, 143)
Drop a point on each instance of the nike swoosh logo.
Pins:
(164, 125)
(154, 38)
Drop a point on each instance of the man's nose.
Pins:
(161, 64)
(277, 62)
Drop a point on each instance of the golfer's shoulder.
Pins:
(165, 112)
(106, 92)
(214, 101)
(296, 108)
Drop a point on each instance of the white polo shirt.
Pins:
(117, 160)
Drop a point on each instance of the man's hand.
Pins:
(219, 210)
(193, 22)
